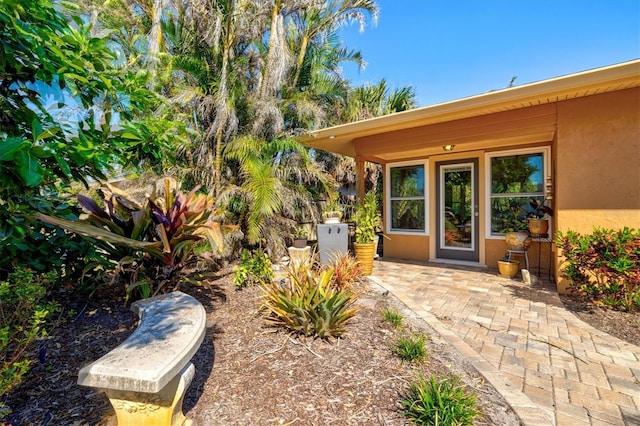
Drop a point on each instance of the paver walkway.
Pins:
(551, 367)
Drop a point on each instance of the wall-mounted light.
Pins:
(332, 136)
(448, 147)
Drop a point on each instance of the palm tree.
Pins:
(273, 187)
(316, 21)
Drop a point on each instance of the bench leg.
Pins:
(155, 409)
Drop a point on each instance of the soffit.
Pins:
(341, 139)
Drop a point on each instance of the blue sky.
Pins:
(451, 49)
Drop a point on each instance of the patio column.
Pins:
(359, 178)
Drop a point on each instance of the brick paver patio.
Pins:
(551, 367)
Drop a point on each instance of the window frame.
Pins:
(546, 172)
(388, 198)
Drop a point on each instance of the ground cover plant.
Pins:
(410, 348)
(436, 401)
(392, 317)
(23, 315)
(254, 267)
(604, 266)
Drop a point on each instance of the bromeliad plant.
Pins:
(309, 303)
(153, 239)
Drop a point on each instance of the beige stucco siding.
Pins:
(598, 162)
(412, 247)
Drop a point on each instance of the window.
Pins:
(407, 203)
(515, 178)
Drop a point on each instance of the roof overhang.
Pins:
(341, 139)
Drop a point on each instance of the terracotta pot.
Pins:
(364, 255)
(300, 243)
(539, 226)
(508, 268)
(518, 240)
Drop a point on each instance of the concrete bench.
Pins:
(145, 378)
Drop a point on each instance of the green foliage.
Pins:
(604, 266)
(42, 247)
(439, 402)
(254, 268)
(300, 233)
(309, 304)
(367, 218)
(44, 58)
(393, 317)
(23, 314)
(154, 239)
(512, 219)
(410, 348)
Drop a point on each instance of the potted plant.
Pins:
(300, 236)
(538, 217)
(332, 212)
(508, 268)
(367, 218)
(515, 228)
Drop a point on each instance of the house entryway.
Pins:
(457, 210)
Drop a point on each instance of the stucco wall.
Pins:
(411, 247)
(597, 163)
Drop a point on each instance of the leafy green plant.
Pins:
(410, 348)
(25, 242)
(393, 317)
(154, 239)
(439, 402)
(300, 233)
(44, 55)
(604, 266)
(367, 218)
(23, 314)
(310, 305)
(254, 268)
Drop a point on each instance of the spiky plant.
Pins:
(439, 401)
(346, 272)
(309, 305)
(393, 317)
(410, 348)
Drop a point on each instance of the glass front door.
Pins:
(457, 206)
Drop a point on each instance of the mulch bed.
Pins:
(250, 374)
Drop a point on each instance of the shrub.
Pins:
(27, 243)
(346, 271)
(309, 304)
(254, 268)
(410, 348)
(22, 316)
(392, 317)
(604, 266)
(439, 401)
(154, 239)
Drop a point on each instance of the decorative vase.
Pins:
(539, 226)
(518, 240)
(508, 268)
(331, 217)
(365, 253)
